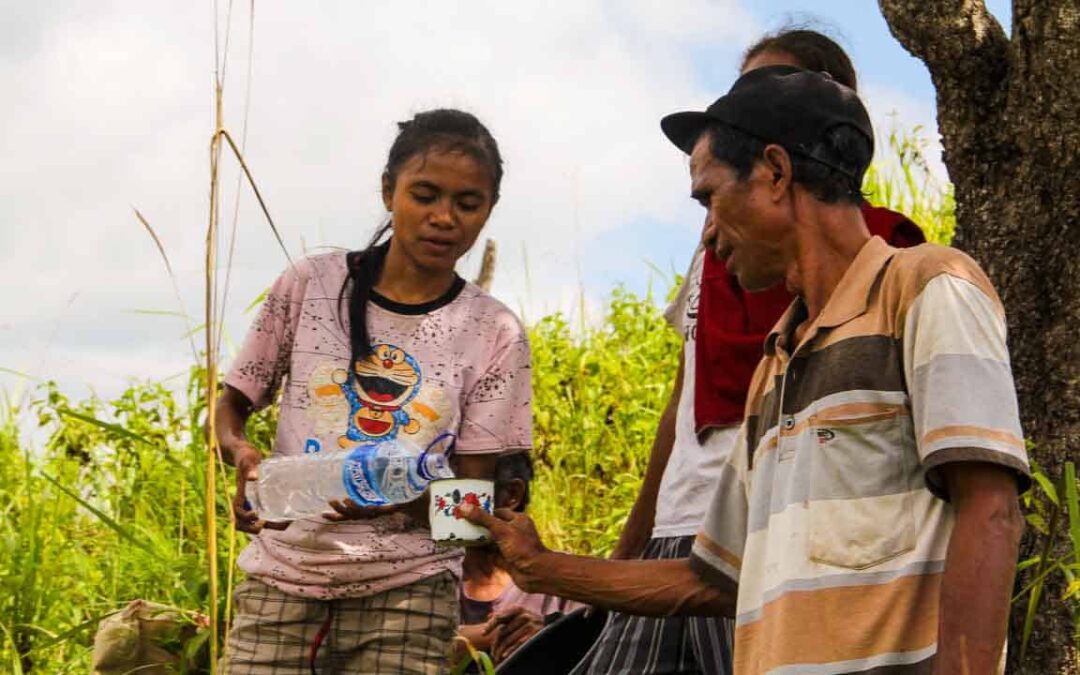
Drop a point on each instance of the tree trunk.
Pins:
(1009, 116)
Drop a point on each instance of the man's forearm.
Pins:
(644, 587)
(979, 570)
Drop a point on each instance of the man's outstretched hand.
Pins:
(518, 542)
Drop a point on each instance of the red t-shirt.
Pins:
(732, 325)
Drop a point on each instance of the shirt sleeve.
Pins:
(956, 364)
(497, 413)
(717, 553)
(676, 309)
(263, 360)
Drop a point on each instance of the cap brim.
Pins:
(684, 128)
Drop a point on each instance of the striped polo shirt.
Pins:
(833, 519)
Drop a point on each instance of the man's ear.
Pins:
(778, 163)
(387, 192)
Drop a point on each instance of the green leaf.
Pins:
(112, 428)
(1072, 503)
(1047, 486)
(105, 518)
(1071, 590)
(486, 664)
(16, 662)
(1042, 571)
(257, 301)
(1038, 522)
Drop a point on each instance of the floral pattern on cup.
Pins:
(450, 505)
(448, 525)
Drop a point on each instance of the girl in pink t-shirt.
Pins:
(366, 347)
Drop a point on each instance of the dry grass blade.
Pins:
(211, 395)
(213, 451)
(157, 241)
(215, 307)
(255, 189)
(172, 278)
(231, 559)
(239, 178)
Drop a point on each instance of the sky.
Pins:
(109, 107)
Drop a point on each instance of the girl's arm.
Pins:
(233, 411)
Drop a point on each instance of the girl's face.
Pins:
(439, 203)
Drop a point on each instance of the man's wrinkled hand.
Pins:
(518, 541)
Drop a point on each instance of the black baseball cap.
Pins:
(789, 106)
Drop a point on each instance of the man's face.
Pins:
(742, 225)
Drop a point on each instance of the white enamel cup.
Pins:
(448, 526)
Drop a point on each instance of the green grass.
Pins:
(597, 400)
(903, 182)
(109, 510)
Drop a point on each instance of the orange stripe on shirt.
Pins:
(841, 624)
(978, 432)
(719, 551)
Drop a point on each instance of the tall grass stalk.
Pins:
(210, 332)
(214, 319)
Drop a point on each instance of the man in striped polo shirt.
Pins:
(869, 521)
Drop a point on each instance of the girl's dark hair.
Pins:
(443, 129)
(516, 466)
(811, 49)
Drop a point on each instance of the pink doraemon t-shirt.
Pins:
(459, 364)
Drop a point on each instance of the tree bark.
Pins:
(1009, 116)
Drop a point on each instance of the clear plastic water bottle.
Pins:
(370, 474)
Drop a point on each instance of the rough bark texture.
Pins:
(1009, 116)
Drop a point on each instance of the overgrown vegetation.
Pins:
(108, 505)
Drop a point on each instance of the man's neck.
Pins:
(829, 237)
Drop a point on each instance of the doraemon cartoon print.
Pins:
(380, 392)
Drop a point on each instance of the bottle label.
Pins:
(357, 474)
(375, 474)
